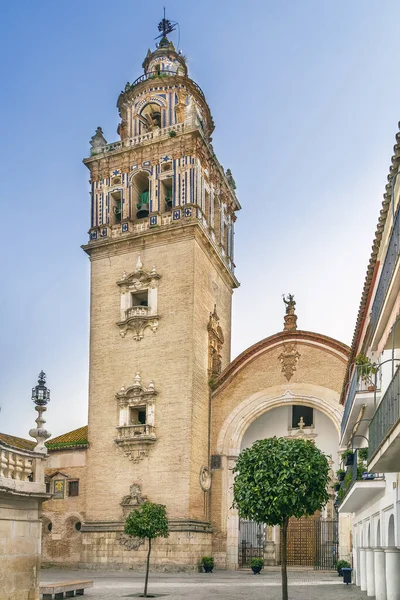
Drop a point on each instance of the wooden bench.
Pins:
(70, 588)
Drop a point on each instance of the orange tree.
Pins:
(279, 478)
(149, 521)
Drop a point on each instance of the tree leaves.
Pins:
(279, 478)
(148, 521)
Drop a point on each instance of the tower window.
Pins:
(73, 488)
(140, 298)
(166, 194)
(151, 116)
(116, 206)
(138, 415)
(306, 412)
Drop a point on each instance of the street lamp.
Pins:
(40, 393)
(41, 397)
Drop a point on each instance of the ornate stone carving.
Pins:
(289, 359)
(230, 179)
(215, 341)
(290, 319)
(97, 142)
(133, 436)
(205, 479)
(137, 314)
(133, 500)
(130, 543)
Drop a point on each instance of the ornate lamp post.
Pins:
(40, 396)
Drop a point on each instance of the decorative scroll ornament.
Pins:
(132, 500)
(289, 359)
(205, 479)
(130, 543)
(215, 342)
(303, 432)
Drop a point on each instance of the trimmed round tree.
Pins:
(279, 478)
(149, 521)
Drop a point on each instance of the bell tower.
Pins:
(162, 274)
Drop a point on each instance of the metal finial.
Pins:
(165, 26)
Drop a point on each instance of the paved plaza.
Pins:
(220, 585)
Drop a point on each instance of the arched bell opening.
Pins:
(151, 116)
(140, 194)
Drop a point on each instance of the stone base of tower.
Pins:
(106, 546)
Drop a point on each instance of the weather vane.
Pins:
(166, 26)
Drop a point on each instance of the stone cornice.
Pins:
(135, 242)
(326, 343)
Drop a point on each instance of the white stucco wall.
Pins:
(277, 422)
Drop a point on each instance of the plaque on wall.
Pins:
(59, 485)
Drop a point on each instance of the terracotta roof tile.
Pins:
(77, 437)
(17, 442)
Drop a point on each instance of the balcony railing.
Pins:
(356, 472)
(129, 433)
(137, 311)
(357, 385)
(163, 75)
(140, 139)
(387, 415)
(389, 265)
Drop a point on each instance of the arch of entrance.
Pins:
(292, 368)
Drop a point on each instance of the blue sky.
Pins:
(305, 97)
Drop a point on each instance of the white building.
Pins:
(371, 418)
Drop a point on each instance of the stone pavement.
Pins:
(220, 585)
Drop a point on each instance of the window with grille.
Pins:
(73, 488)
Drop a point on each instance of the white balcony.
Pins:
(361, 494)
(384, 431)
(360, 403)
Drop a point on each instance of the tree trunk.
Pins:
(147, 570)
(284, 559)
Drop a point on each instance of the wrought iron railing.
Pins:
(349, 400)
(164, 74)
(392, 254)
(387, 415)
(356, 472)
(359, 383)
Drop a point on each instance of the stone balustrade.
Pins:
(142, 139)
(137, 311)
(21, 470)
(131, 431)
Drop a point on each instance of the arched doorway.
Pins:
(312, 541)
(238, 431)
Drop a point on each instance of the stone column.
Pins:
(369, 554)
(356, 552)
(392, 569)
(380, 575)
(363, 570)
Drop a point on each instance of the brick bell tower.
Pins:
(162, 274)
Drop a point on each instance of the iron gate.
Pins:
(326, 534)
(251, 542)
(311, 543)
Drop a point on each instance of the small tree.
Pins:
(277, 479)
(149, 521)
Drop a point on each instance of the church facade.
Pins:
(168, 411)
